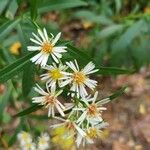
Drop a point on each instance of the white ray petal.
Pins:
(58, 55)
(72, 66)
(45, 59)
(80, 131)
(90, 66)
(55, 58)
(82, 117)
(59, 49)
(49, 111)
(37, 38)
(54, 41)
(35, 41)
(40, 90)
(34, 48)
(45, 34)
(76, 64)
(83, 90)
(60, 110)
(40, 59)
(36, 57)
(64, 83)
(42, 35)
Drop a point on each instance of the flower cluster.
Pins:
(84, 120)
(26, 142)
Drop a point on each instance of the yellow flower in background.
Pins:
(60, 139)
(147, 10)
(14, 49)
(105, 134)
(87, 24)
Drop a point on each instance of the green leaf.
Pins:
(78, 54)
(33, 9)
(131, 33)
(6, 117)
(12, 9)
(13, 69)
(7, 27)
(118, 5)
(117, 93)
(59, 4)
(3, 4)
(110, 30)
(92, 17)
(81, 56)
(28, 78)
(29, 110)
(113, 71)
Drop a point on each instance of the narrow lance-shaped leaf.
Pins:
(130, 34)
(7, 27)
(117, 93)
(59, 4)
(29, 70)
(29, 110)
(110, 30)
(28, 78)
(3, 4)
(33, 9)
(102, 70)
(13, 69)
(114, 96)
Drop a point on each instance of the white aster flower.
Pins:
(49, 100)
(29, 146)
(24, 137)
(70, 126)
(91, 134)
(43, 142)
(46, 46)
(54, 75)
(79, 78)
(92, 111)
(95, 131)
(84, 140)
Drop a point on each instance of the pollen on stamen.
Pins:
(49, 100)
(47, 47)
(79, 77)
(55, 74)
(92, 110)
(92, 133)
(70, 126)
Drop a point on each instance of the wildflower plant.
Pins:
(83, 119)
(57, 79)
(26, 141)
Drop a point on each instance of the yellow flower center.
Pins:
(92, 133)
(42, 141)
(79, 77)
(25, 136)
(70, 126)
(28, 145)
(92, 110)
(49, 100)
(56, 74)
(47, 47)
